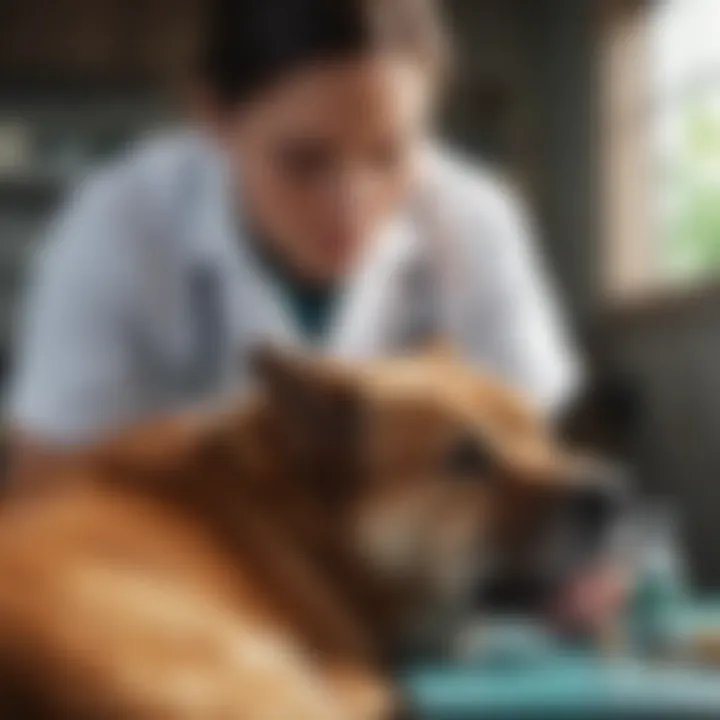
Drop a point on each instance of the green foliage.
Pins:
(693, 228)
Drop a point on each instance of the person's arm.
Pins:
(76, 371)
(516, 325)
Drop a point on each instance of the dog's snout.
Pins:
(599, 499)
(594, 505)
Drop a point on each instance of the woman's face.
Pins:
(327, 156)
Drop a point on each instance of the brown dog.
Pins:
(260, 562)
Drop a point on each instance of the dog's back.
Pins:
(117, 602)
(259, 563)
(103, 600)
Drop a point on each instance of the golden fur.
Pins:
(259, 561)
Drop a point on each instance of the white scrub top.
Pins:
(145, 296)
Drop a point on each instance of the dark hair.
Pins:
(249, 44)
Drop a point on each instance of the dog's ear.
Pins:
(316, 404)
(439, 347)
(302, 383)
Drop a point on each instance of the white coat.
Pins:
(145, 296)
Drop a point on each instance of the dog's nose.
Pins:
(599, 499)
(594, 504)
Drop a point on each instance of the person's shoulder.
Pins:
(120, 214)
(469, 186)
(148, 171)
(476, 205)
(134, 197)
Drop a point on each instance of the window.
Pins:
(686, 137)
(661, 144)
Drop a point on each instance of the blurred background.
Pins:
(605, 112)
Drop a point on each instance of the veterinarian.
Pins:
(308, 203)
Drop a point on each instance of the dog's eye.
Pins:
(467, 457)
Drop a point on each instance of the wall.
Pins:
(563, 84)
(106, 41)
(668, 350)
(540, 58)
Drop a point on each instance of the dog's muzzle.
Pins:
(581, 530)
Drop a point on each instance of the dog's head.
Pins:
(447, 481)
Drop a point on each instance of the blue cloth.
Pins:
(565, 688)
(310, 304)
(554, 684)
